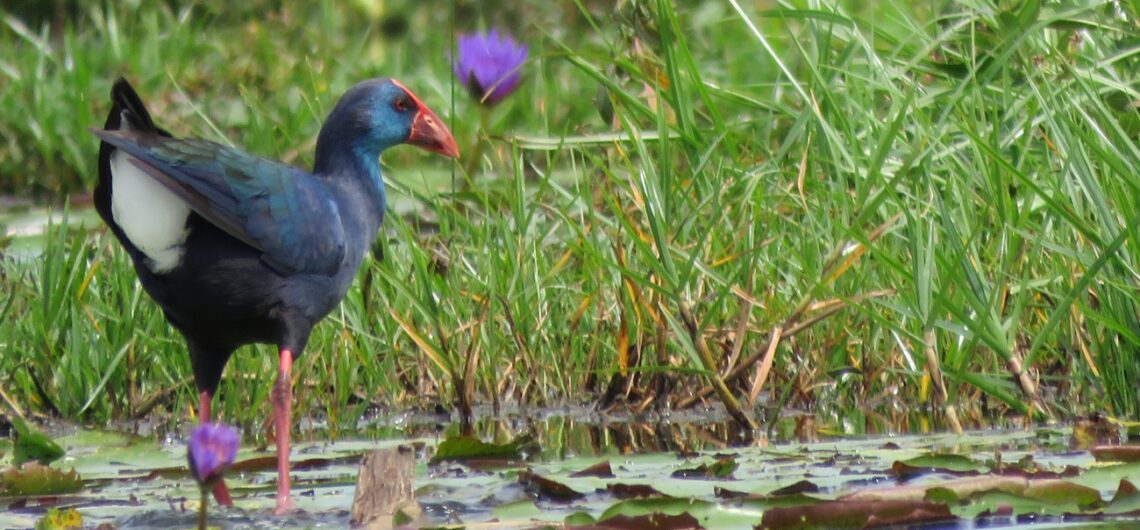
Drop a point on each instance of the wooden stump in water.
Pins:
(384, 488)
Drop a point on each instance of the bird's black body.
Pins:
(237, 249)
(223, 293)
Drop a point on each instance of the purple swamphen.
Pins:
(239, 249)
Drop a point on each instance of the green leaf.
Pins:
(579, 519)
(1061, 491)
(461, 448)
(30, 444)
(936, 463)
(33, 478)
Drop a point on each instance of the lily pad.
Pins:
(936, 463)
(601, 470)
(855, 514)
(1116, 453)
(656, 521)
(466, 448)
(633, 491)
(722, 468)
(34, 478)
(548, 489)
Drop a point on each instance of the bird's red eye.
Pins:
(401, 104)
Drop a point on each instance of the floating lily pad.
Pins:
(632, 491)
(466, 448)
(548, 489)
(601, 470)
(1125, 501)
(34, 478)
(803, 486)
(656, 521)
(722, 468)
(936, 463)
(855, 514)
(1060, 491)
(1116, 453)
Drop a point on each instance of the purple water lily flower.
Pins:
(213, 448)
(490, 64)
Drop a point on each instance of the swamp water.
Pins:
(676, 465)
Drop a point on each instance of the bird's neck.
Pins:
(353, 177)
(347, 165)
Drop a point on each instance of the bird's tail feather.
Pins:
(126, 104)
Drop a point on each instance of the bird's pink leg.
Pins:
(282, 400)
(221, 493)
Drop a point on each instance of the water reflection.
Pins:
(576, 431)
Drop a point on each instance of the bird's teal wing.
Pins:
(275, 208)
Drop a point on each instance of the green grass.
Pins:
(902, 189)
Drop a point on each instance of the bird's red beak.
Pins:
(428, 131)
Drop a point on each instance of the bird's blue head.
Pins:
(373, 116)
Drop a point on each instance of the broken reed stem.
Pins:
(765, 366)
(466, 388)
(730, 402)
(934, 367)
(741, 330)
(15, 408)
(1036, 406)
